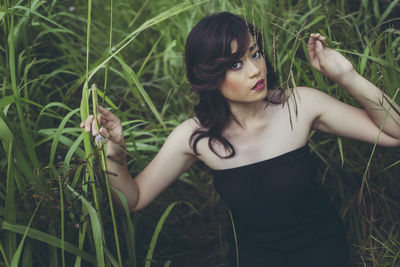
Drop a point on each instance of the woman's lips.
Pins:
(259, 85)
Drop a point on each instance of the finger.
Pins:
(104, 132)
(319, 47)
(94, 128)
(100, 109)
(106, 113)
(103, 111)
(112, 125)
(323, 40)
(311, 48)
(318, 36)
(101, 120)
(88, 123)
(107, 123)
(82, 124)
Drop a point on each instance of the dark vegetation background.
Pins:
(48, 168)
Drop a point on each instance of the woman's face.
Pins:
(246, 80)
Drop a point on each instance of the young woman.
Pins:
(242, 130)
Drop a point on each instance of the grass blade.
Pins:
(17, 255)
(104, 167)
(140, 88)
(147, 24)
(58, 134)
(28, 142)
(10, 207)
(153, 242)
(47, 238)
(157, 230)
(3, 253)
(131, 231)
(388, 11)
(96, 228)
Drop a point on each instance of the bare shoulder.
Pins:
(309, 92)
(182, 133)
(308, 104)
(297, 94)
(310, 98)
(299, 99)
(186, 127)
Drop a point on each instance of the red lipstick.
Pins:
(260, 84)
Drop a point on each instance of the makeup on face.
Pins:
(256, 55)
(260, 85)
(246, 80)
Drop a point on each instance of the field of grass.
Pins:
(55, 208)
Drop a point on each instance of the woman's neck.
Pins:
(245, 114)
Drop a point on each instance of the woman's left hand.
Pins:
(326, 60)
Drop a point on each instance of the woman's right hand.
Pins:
(110, 126)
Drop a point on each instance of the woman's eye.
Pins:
(237, 65)
(257, 55)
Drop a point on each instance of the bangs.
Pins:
(240, 34)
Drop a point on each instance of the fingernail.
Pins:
(319, 44)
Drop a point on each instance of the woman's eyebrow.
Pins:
(252, 47)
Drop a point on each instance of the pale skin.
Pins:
(256, 132)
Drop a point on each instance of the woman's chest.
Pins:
(280, 135)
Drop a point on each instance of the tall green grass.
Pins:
(56, 208)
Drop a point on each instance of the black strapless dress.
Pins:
(282, 216)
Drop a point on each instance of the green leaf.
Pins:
(161, 221)
(17, 255)
(314, 21)
(140, 88)
(57, 135)
(47, 238)
(153, 242)
(340, 144)
(96, 228)
(131, 231)
(363, 62)
(388, 11)
(6, 100)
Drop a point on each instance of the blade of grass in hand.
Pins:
(109, 50)
(104, 167)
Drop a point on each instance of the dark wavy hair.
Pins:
(208, 56)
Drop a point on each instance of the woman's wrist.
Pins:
(348, 78)
(116, 150)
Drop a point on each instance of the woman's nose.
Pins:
(254, 69)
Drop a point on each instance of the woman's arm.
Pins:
(339, 118)
(171, 161)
